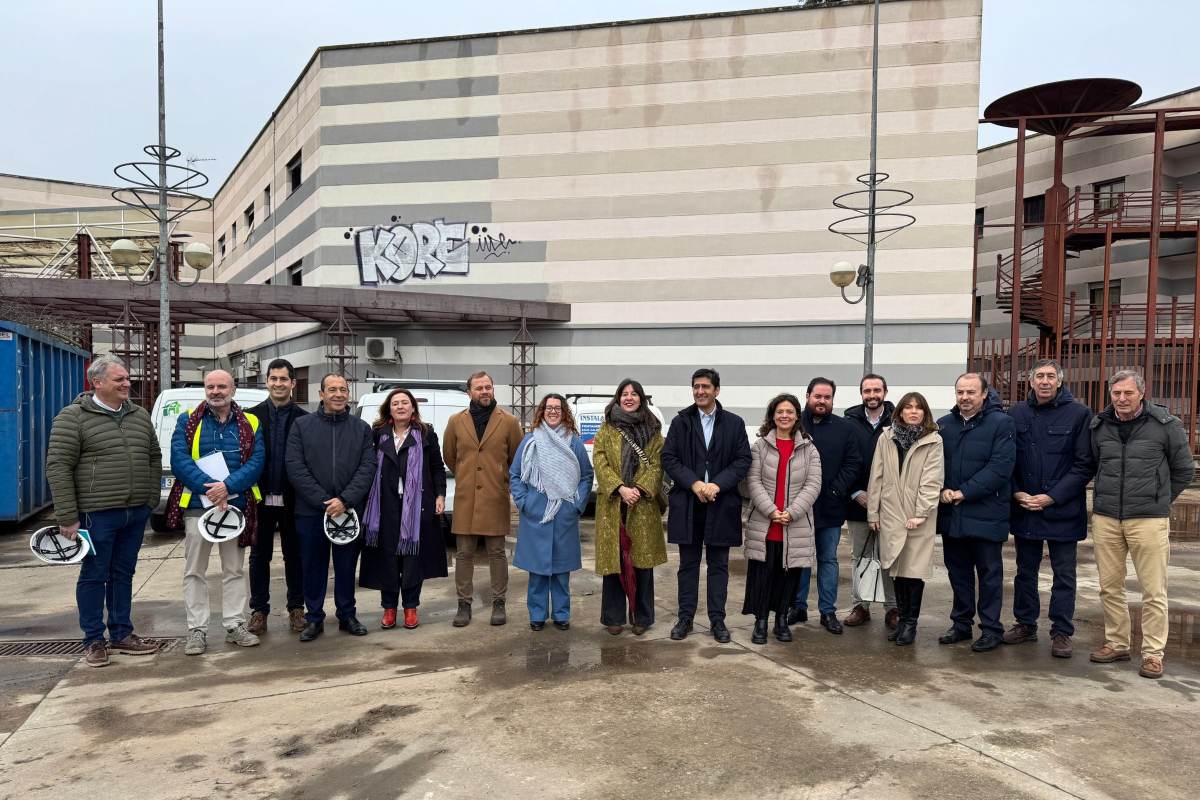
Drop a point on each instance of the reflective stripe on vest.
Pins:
(186, 498)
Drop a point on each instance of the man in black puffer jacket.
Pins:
(980, 451)
(1143, 464)
(331, 465)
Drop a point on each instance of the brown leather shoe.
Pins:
(857, 616)
(1019, 633)
(258, 623)
(134, 645)
(96, 654)
(1152, 667)
(296, 619)
(892, 619)
(1060, 646)
(1108, 654)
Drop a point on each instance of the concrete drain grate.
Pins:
(62, 647)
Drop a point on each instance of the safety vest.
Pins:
(186, 497)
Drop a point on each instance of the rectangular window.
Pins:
(232, 235)
(296, 274)
(1035, 210)
(978, 222)
(978, 311)
(1107, 194)
(266, 201)
(294, 173)
(300, 393)
(1096, 294)
(220, 246)
(248, 219)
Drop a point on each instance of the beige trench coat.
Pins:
(895, 495)
(481, 498)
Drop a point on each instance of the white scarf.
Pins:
(549, 465)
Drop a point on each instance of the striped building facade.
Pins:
(671, 179)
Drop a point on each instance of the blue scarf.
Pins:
(410, 511)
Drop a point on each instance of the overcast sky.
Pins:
(80, 84)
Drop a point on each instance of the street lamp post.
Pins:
(869, 213)
(150, 197)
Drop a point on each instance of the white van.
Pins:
(167, 408)
(589, 416)
(437, 400)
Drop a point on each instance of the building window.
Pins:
(248, 218)
(300, 393)
(221, 246)
(293, 173)
(978, 311)
(1035, 209)
(1096, 294)
(296, 274)
(978, 222)
(1106, 195)
(233, 235)
(266, 201)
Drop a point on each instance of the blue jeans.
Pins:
(315, 551)
(558, 588)
(1026, 604)
(827, 572)
(106, 574)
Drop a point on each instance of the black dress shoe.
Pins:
(760, 631)
(830, 623)
(537, 626)
(682, 628)
(796, 614)
(953, 636)
(720, 632)
(988, 641)
(311, 631)
(782, 632)
(352, 626)
(562, 625)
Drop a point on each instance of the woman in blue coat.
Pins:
(550, 479)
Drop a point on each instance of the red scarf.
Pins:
(245, 446)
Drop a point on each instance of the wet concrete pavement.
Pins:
(507, 712)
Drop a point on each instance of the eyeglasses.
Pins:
(553, 410)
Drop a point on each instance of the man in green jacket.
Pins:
(104, 465)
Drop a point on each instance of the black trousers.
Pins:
(270, 520)
(967, 559)
(614, 604)
(1026, 603)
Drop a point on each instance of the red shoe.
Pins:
(389, 618)
(410, 618)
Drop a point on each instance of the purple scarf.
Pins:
(410, 512)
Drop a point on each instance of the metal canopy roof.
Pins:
(102, 302)
(1058, 107)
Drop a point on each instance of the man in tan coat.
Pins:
(479, 446)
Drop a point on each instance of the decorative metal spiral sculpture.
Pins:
(858, 225)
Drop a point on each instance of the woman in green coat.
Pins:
(629, 529)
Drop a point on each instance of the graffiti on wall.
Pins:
(403, 250)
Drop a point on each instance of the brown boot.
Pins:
(892, 619)
(296, 619)
(858, 615)
(258, 623)
(1060, 646)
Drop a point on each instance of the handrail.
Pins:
(1178, 207)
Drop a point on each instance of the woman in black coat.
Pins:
(401, 550)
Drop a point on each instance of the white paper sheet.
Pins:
(213, 465)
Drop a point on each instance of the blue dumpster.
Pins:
(39, 375)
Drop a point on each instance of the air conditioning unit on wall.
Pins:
(382, 350)
(250, 362)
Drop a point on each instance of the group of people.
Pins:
(892, 474)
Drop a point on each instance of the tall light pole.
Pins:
(164, 269)
(150, 197)
(844, 273)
